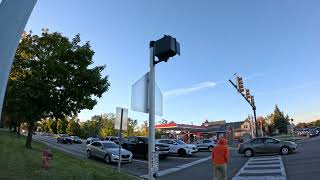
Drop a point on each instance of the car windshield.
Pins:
(110, 145)
(180, 142)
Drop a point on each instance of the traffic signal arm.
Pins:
(252, 105)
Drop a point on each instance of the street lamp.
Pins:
(163, 49)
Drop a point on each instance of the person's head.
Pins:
(222, 141)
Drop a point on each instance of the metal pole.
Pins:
(151, 145)
(292, 129)
(255, 120)
(120, 135)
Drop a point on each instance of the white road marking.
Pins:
(262, 168)
(178, 168)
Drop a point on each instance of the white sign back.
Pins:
(139, 96)
(124, 118)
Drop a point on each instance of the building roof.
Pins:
(236, 125)
(213, 123)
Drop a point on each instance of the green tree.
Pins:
(54, 77)
(73, 127)
(52, 124)
(278, 121)
(132, 125)
(107, 126)
(62, 125)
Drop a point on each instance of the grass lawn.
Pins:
(17, 162)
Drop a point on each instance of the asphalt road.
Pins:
(204, 170)
(139, 167)
(306, 162)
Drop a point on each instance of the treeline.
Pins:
(98, 126)
(275, 123)
(310, 124)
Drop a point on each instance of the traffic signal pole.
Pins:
(253, 107)
(151, 145)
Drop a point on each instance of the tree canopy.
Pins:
(53, 76)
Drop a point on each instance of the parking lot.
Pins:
(139, 166)
(292, 166)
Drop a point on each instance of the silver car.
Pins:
(266, 145)
(109, 151)
(206, 144)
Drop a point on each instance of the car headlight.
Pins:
(114, 155)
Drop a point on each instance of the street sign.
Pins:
(124, 119)
(155, 162)
(139, 96)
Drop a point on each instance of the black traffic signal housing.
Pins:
(247, 94)
(240, 86)
(252, 101)
(166, 47)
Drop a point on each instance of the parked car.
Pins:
(303, 132)
(109, 151)
(111, 138)
(179, 147)
(313, 132)
(266, 145)
(64, 138)
(206, 144)
(76, 139)
(91, 140)
(139, 146)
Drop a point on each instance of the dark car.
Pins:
(139, 147)
(76, 139)
(91, 140)
(266, 145)
(313, 132)
(64, 139)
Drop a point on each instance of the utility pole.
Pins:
(245, 93)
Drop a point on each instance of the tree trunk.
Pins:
(29, 138)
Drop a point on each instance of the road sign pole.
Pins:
(151, 146)
(120, 135)
(255, 120)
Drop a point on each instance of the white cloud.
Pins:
(188, 90)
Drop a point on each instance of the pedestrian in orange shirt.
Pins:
(220, 157)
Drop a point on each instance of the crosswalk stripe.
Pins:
(262, 168)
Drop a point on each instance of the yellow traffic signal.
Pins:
(240, 84)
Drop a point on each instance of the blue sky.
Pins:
(273, 44)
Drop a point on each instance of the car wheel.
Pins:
(107, 159)
(248, 153)
(182, 152)
(210, 148)
(284, 150)
(89, 154)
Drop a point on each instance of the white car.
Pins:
(179, 147)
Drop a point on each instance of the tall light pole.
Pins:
(14, 15)
(245, 93)
(163, 48)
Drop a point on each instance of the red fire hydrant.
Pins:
(46, 157)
